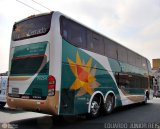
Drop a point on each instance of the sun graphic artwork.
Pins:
(85, 76)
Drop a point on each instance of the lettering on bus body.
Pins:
(38, 31)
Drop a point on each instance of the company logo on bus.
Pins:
(85, 76)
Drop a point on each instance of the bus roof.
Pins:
(32, 16)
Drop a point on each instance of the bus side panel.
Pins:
(82, 75)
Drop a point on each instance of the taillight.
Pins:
(51, 85)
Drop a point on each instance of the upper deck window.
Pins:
(32, 27)
(73, 32)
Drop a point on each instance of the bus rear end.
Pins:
(30, 85)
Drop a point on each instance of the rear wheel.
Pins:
(2, 104)
(94, 108)
(109, 104)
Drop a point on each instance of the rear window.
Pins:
(29, 65)
(33, 27)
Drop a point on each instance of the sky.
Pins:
(133, 23)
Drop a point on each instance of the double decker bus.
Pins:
(61, 67)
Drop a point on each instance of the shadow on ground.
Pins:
(69, 122)
(11, 111)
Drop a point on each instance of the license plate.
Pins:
(15, 90)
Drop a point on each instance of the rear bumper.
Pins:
(49, 106)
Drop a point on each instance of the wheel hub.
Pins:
(94, 107)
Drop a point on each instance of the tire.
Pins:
(2, 104)
(94, 108)
(109, 104)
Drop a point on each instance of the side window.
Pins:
(132, 81)
(135, 81)
(145, 82)
(123, 80)
(73, 32)
(144, 63)
(131, 58)
(122, 53)
(110, 48)
(138, 61)
(65, 28)
(95, 42)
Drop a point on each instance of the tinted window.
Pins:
(132, 81)
(95, 42)
(110, 48)
(35, 26)
(28, 65)
(122, 54)
(144, 63)
(123, 80)
(73, 32)
(138, 61)
(140, 82)
(131, 58)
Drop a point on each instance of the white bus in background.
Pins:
(3, 88)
